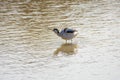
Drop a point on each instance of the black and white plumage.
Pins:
(66, 33)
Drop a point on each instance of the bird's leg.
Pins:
(66, 41)
(71, 40)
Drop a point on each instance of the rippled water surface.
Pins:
(29, 50)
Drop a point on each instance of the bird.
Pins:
(66, 33)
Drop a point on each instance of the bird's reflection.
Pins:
(66, 49)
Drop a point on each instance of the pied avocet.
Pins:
(66, 33)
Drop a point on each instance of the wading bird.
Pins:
(66, 33)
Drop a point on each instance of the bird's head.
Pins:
(56, 30)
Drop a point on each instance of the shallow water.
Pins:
(29, 50)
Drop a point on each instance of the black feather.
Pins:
(70, 31)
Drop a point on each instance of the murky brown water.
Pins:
(29, 50)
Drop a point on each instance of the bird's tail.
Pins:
(75, 33)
